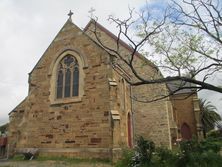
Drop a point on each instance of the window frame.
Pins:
(53, 82)
(67, 87)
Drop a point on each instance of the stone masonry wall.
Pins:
(81, 128)
(150, 120)
(121, 103)
(184, 112)
(17, 119)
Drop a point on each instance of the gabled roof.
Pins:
(121, 42)
(23, 101)
(67, 22)
(110, 34)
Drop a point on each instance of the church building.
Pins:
(80, 105)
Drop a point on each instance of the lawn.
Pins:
(52, 163)
(18, 161)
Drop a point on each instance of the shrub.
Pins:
(214, 133)
(199, 154)
(195, 159)
(164, 157)
(213, 144)
(190, 154)
(143, 152)
(126, 159)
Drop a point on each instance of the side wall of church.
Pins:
(151, 120)
(120, 103)
(16, 118)
(184, 112)
(79, 128)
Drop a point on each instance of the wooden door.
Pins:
(185, 132)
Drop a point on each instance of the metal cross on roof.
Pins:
(91, 10)
(70, 14)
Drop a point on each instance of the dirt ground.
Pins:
(34, 163)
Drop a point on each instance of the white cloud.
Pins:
(27, 29)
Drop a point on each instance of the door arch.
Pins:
(185, 131)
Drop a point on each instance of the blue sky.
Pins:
(155, 7)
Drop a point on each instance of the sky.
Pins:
(27, 27)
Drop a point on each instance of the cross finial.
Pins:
(70, 15)
(91, 11)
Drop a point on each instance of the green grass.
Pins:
(72, 160)
(17, 157)
(20, 157)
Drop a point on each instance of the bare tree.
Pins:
(184, 43)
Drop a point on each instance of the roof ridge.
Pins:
(114, 37)
(109, 33)
(67, 22)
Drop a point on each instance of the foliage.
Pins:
(143, 152)
(195, 159)
(198, 154)
(190, 154)
(219, 126)
(208, 115)
(190, 41)
(127, 158)
(215, 134)
(164, 157)
(216, 141)
(183, 43)
(4, 127)
(194, 145)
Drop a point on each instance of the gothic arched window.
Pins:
(67, 78)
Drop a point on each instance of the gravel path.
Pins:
(49, 164)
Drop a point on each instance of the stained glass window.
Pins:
(75, 90)
(67, 83)
(68, 77)
(59, 84)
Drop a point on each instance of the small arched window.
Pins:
(67, 78)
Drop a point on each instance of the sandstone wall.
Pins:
(17, 120)
(120, 102)
(150, 120)
(82, 127)
(96, 123)
(184, 112)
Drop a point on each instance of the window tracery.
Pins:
(67, 78)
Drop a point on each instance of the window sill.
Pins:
(66, 100)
